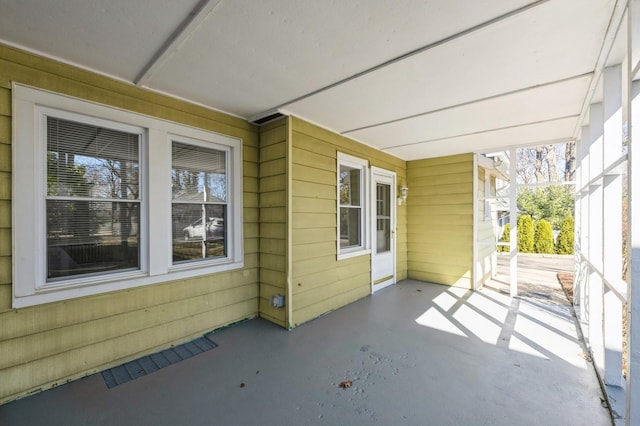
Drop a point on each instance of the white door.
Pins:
(383, 225)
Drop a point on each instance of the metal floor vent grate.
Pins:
(154, 362)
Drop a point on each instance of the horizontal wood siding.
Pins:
(50, 344)
(320, 282)
(273, 218)
(440, 220)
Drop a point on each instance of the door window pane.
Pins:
(383, 217)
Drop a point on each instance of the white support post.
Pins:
(632, 414)
(596, 287)
(474, 273)
(612, 82)
(596, 141)
(582, 275)
(612, 232)
(612, 339)
(513, 220)
(577, 280)
(634, 30)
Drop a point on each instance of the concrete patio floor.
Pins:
(417, 354)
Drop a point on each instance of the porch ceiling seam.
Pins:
(482, 132)
(474, 101)
(506, 147)
(173, 43)
(414, 52)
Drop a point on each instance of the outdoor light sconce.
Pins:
(403, 195)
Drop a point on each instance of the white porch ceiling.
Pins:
(417, 79)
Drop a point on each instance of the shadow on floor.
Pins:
(416, 353)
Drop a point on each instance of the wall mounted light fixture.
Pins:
(402, 198)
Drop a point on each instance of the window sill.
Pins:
(51, 293)
(356, 253)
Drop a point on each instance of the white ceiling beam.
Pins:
(475, 101)
(515, 126)
(607, 44)
(417, 51)
(199, 13)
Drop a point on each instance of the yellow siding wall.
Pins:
(274, 150)
(321, 283)
(440, 220)
(486, 230)
(50, 344)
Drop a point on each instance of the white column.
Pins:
(596, 290)
(632, 415)
(513, 220)
(582, 276)
(612, 219)
(577, 280)
(475, 268)
(612, 82)
(634, 29)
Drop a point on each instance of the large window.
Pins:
(105, 199)
(352, 202)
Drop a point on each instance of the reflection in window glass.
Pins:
(199, 203)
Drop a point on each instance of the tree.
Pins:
(543, 163)
(540, 157)
(505, 238)
(67, 179)
(525, 234)
(565, 240)
(552, 203)
(570, 162)
(543, 240)
(551, 163)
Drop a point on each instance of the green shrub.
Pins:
(525, 234)
(543, 241)
(564, 242)
(505, 239)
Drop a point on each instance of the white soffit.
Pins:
(532, 48)
(250, 56)
(536, 105)
(555, 131)
(432, 77)
(114, 37)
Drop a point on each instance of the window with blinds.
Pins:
(106, 199)
(199, 187)
(92, 199)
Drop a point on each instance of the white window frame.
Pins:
(365, 221)
(229, 154)
(29, 247)
(487, 195)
